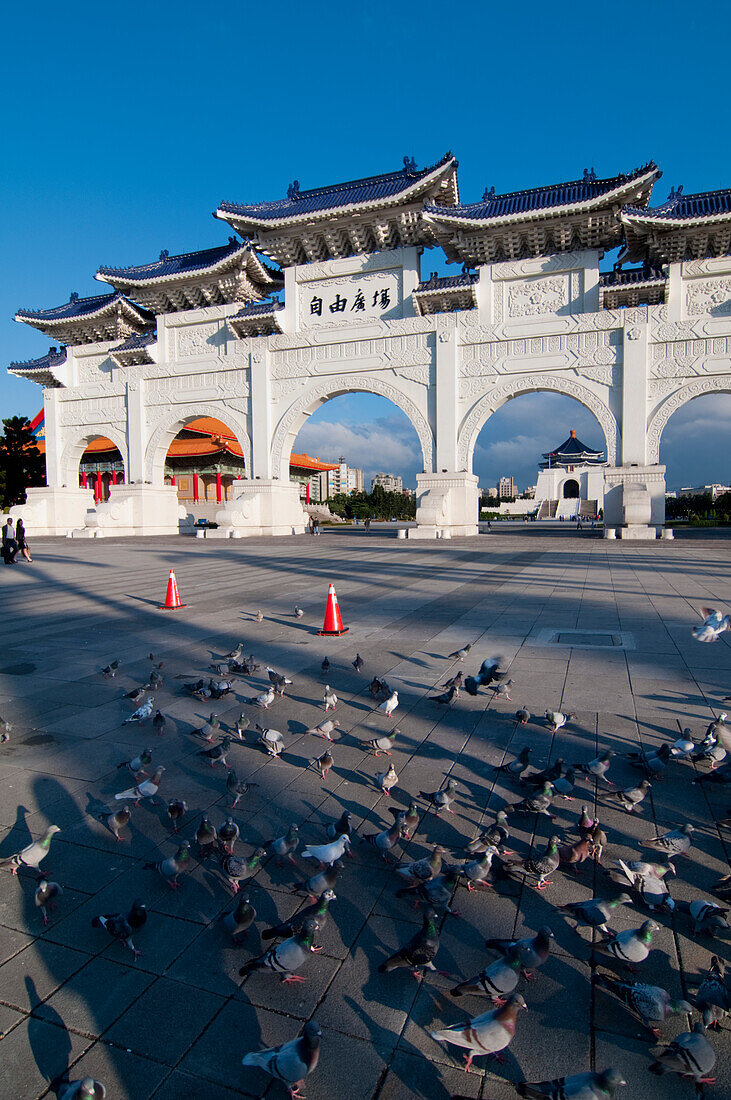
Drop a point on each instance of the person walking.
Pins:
(10, 546)
(22, 540)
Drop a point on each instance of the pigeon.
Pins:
(236, 869)
(496, 981)
(136, 766)
(453, 681)
(713, 999)
(515, 768)
(502, 690)
(298, 612)
(318, 883)
(477, 871)
(242, 724)
(284, 846)
(334, 829)
(323, 763)
(419, 952)
(631, 797)
(271, 739)
(148, 788)
(534, 804)
(489, 671)
(176, 811)
(237, 788)
(358, 663)
(593, 913)
(209, 729)
(259, 617)
(708, 918)
(155, 682)
(386, 780)
(318, 911)
(586, 823)
(238, 921)
(719, 729)
(647, 879)
(235, 654)
(522, 715)
(278, 681)
(557, 719)
(379, 689)
(45, 896)
(652, 763)
(580, 1086)
(597, 768)
(683, 747)
(381, 745)
(532, 950)
(631, 946)
(328, 853)
(206, 838)
(329, 698)
(714, 624)
(388, 706)
(460, 654)
(410, 818)
(575, 854)
(537, 779)
(709, 751)
(435, 892)
(5, 729)
(441, 799)
(539, 868)
(384, 841)
(33, 854)
(324, 729)
(264, 700)
(159, 722)
(141, 714)
(325, 666)
(650, 1003)
(564, 785)
(286, 957)
(219, 688)
(675, 843)
(689, 1054)
(598, 839)
(446, 698)
(121, 926)
(86, 1088)
(495, 835)
(228, 834)
(422, 870)
(217, 755)
(720, 775)
(171, 867)
(290, 1062)
(486, 1034)
(115, 820)
(110, 671)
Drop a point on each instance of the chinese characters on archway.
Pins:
(321, 304)
(380, 300)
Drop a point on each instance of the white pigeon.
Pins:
(684, 746)
(557, 720)
(390, 704)
(265, 700)
(272, 740)
(329, 698)
(142, 713)
(327, 853)
(298, 612)
(147, 789)
(714, 624)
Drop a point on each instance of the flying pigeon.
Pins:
(631, 946)
(650, 1003)
(33, 854)
(122, 926)
(287, 957)
(136, 766)
(171, 867)
(290, 1062)
(486, 1034)
(441, 799)
(419, 952)
(116, 820)
(580, 1086)
(489, 671)
(714, 624)
(44, 897)
(238, 921)
(148, 788)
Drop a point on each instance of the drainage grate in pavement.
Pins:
(583, 638)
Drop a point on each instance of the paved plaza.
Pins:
(176, 1022)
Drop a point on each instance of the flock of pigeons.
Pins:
(485, 861)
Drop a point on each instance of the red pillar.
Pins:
(195, 488)
(98, 490)
(114, 477)
(218, 486)
(307, 499)
(172, 481)
(83, 479)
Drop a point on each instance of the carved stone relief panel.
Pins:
(709, 296)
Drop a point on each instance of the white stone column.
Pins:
(54, 473)
(136, 432)
(447, 394)
(261, 417)
(634, 395)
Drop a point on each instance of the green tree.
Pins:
(379, 504)
(21, 463)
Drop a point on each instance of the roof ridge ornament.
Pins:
(74, 296)
(590, 176)
(164, 254)
(409, 166)
(487, 195)
(293, 191)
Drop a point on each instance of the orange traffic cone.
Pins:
(333, 624)
(172, 599)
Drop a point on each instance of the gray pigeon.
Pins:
(631, 797)
(381, 745)
(442, 799)
(675, 843)
(531, 950)
(291, 1062)
(593, 913)
(324, 729)
(87, 1088)
(136, 766)
(33, 854)
(708, 918)
(713, 999)
(650, 1003)
(648, 879)
(284, 846)
(237, 869)
(486, 1034)
(631, 946)
(238, 921)
(171, 867)
(541, 868)
(287, 957)
(713, 626)
(45, 896)
(689, 1054)
(271, 739)
(496, 981)
(116, 820)
(580, 1086)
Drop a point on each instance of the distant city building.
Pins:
(506, 487)
(703, 490)
(392, 483)
(344, 479)
(529, 492)
(491, 493)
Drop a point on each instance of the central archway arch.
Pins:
(76, 446)
(492, 401)
(290, 423)
(179, 417)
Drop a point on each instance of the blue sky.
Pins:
(123, 127)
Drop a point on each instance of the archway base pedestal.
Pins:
(447, 505)
(53, 511)
(262, 507)
(135, 510)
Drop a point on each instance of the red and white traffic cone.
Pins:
(333, 624)
(172, 598)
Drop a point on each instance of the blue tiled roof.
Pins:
(257, 309)
(177, 265)
(704, 204)
(539, 198)
(632, 275)
(52, 358)
(445, 282)
(573, 448)
(134, 343)
(75, 307)
(355, 192)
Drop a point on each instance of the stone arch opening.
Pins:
(199, 423)
(694, 417)
(298, 413)
(570, 489)
(96, 460)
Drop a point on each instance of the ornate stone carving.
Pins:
(315, 394)
(680, 397)
(537, 296)
(633, 333)
(477, 416)
(421, 375)
(196, 340)
(709, 296)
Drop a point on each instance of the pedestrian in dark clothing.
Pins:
(22, 540)
(10, 546)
